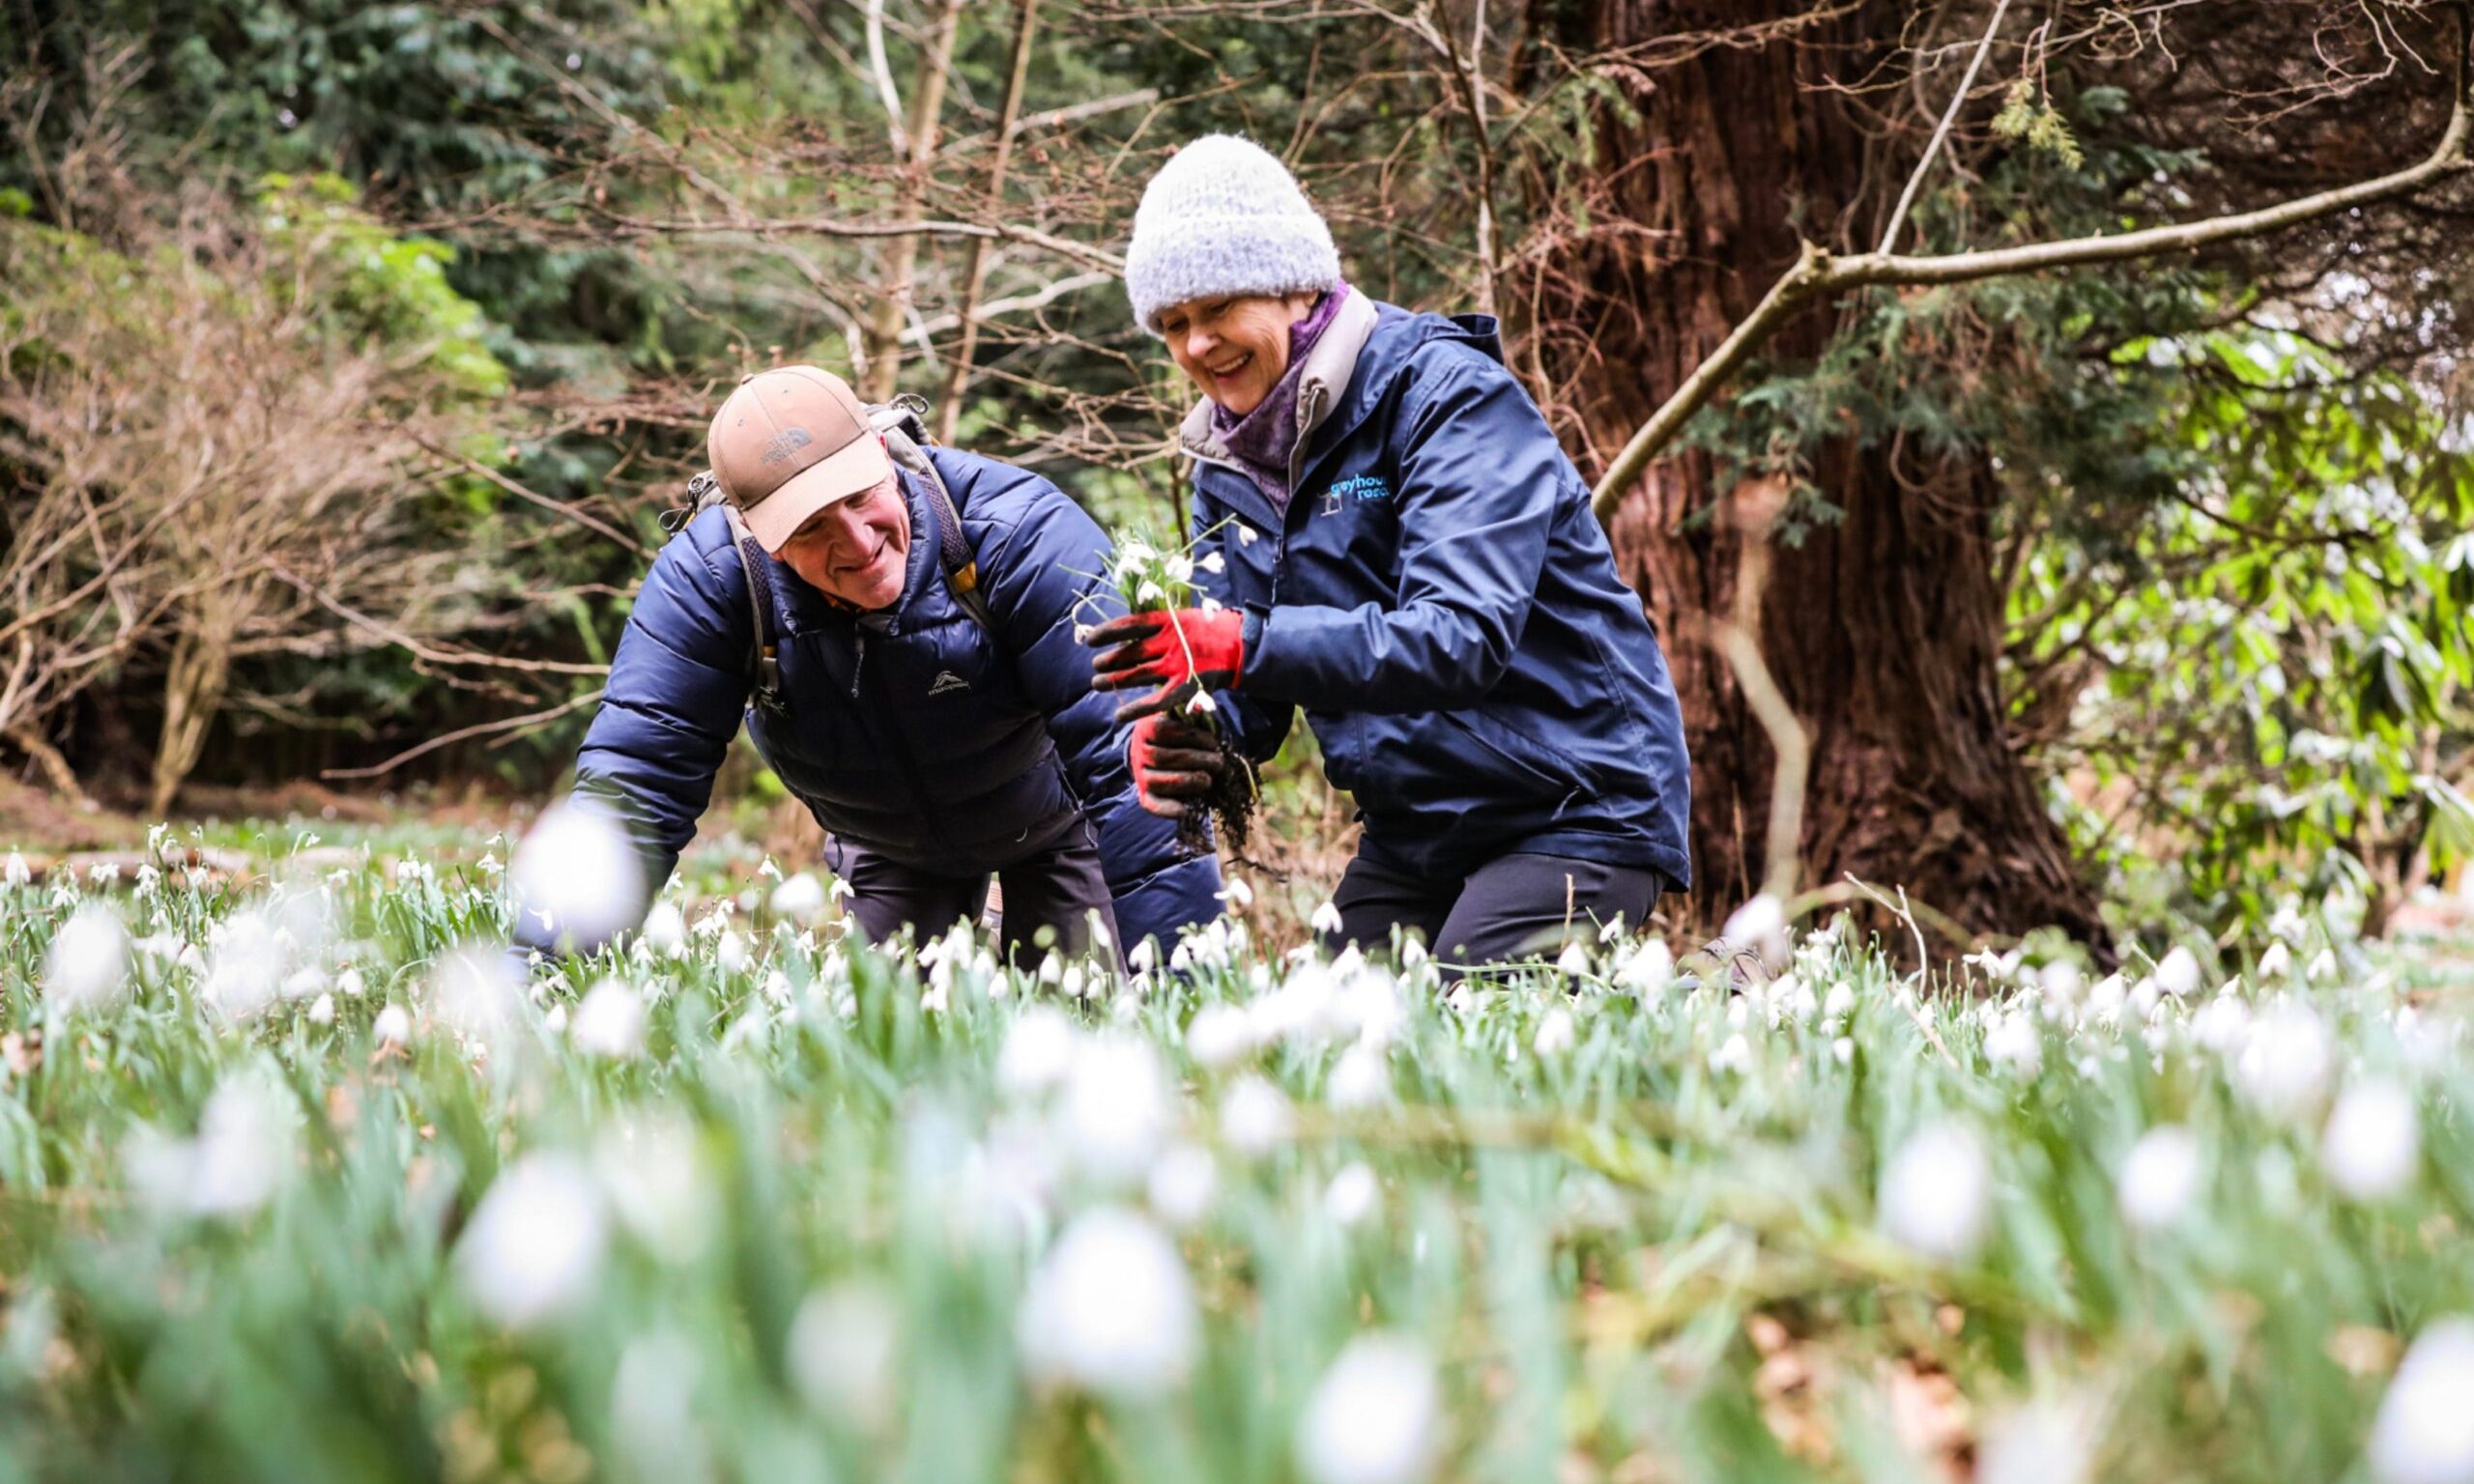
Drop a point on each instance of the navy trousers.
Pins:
(1514, 907)
(1056, 889)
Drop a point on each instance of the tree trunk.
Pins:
(1884, 629)
(193, 695)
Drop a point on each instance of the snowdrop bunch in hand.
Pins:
(577, 878)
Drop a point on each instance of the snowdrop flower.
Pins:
(556, 1020)
(350, 982)
(2046, 1442)
(535, 1243)
(1839, 1002)
(2015, 1045)
(473, 990)
(664, 928)
(2106, 1000)
(246, 1137)
(1735, 1056)
(393, 1027)
(1573, 961)
(1555, 1033)
(800, 900)
(16, 873)
(841, 1351)
(2178, 975)
(1352, 1194)
(2062, 982)
(1115, 1110)
(1181, 1185)
(1937, 1194)
(2283, 1067)
(652, 1170)
(1755, 921)
(2323, 967)
(1038, 1049)
(2425, 1430)
(2222, 1025)
(2373, 1142)
(1255, 1116)
(2276, 963)
(1200, 704)
(1218, 1035)
(1326, 920)
(1213, 563)
(730, 951)
(1359, 1079)
(1647, 970)
(245, 967)
(1372, 1417)
(578, 873)
(1110, 1309)
(322, 1010)
(87, 965)
(610, 1021)
(652, 1408)
(2159, 1178)
(1843, 1050)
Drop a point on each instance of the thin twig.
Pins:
(485, 729)
(1949, 116)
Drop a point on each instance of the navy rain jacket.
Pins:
(1440, 601)
(913, 733)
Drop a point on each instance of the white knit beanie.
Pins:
(1223, 218)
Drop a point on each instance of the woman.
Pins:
(1408, 556)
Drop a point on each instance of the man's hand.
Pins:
(1176, 763)
(1166, 651)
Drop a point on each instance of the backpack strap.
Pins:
(704, 491)
(906, 440)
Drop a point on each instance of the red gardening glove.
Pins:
(1167, 651)
(1176, 762)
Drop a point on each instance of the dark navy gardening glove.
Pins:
(1164, 652)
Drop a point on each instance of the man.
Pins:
(908, 639)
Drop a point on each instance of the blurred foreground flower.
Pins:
(2373, 1143)
(87, 966)
(535, 1244)
(1372, 1419)
(2159, 1178)
(842, 1348)
(576, 876)
(1937, 1195)
(1110, 1309)
(2425, 1431)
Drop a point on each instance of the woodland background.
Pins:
(349, 354)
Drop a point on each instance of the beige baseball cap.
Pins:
(789, 443)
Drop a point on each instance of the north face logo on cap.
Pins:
(946, 680)
(785, 444)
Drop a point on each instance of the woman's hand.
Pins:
(1201, 646)
(1176, 763)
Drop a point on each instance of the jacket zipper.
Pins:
(877, 705)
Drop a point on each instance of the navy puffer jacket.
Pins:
(1441, 602)
(913, 732)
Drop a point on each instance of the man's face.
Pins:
(856, 549)
(1236, 350)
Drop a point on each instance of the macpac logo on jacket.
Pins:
(913, 732)
(1487, 687)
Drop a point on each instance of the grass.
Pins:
(830, 1215)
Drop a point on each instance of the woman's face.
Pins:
(1236, 350)
(856, 549)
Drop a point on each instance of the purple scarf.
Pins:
(1261, 442)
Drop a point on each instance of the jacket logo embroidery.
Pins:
(947, 682)
(1355, 487)
(781, 445)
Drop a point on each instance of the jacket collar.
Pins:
(1321, 384)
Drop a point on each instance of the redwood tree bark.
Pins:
(1883, 629)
